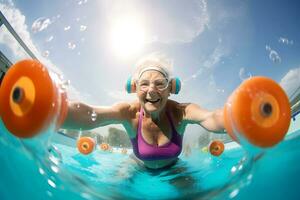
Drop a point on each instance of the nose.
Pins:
(152, 88)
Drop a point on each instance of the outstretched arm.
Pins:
(85, 117)
(210, 120)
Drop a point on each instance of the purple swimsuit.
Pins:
(145, 151)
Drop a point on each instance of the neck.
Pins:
(155, 116)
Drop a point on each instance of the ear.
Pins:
(175, 85)
(130, 86)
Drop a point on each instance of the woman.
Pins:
(154, 123)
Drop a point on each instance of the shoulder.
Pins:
(127, 109)
(176, 107)
(185, 110)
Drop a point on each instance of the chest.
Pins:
(156, 133)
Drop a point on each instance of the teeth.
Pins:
(152, 101)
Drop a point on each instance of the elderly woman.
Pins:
(154, 123)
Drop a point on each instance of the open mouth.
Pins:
(152, 101)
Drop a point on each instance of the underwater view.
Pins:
(140, 99)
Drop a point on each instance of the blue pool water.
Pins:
(31, 170)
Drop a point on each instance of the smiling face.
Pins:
(150, 93)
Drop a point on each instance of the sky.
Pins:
(213, 45)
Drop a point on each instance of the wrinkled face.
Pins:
(153, 91)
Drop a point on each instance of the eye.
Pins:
(161, 83)
(143, 83)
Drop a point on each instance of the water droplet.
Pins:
(285, 41)
(46, 54)
(40, 24)
(83, 28)
(67, 28)
(234, 193)
(54, 169)
(82, 2)
(86, 195)
(51, 183)
(250, 176)
(49, 39)
(41, 171)
(243, 75)
(64, 85)
(71, 45)
(240, 167)
(274, 56)
(49, 193)
(233, 169)
(94, 116)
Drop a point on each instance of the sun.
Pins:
(127, 36)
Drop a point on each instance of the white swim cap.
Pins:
(154, 61)
(159, 69)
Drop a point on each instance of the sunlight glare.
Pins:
(127, 37)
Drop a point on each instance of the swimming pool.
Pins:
(216, 44)
(30, 170)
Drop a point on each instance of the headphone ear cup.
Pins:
(175, 85)
(130, 86)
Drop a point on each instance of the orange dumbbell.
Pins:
(86, 145)
(30, 99)
(104, 146)
(258, 110)
(216, 147)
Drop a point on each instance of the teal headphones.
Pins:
(130, 86)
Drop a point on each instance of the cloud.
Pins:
(291, 82)
(18, 21)
(180, 22)
(209, 63)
